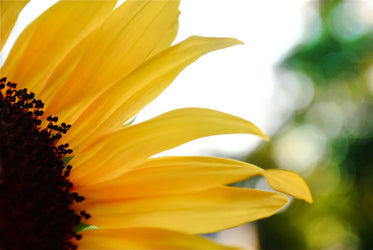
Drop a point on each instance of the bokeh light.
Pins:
(299, 149)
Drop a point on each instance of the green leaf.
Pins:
(66, 160)
(129, 122)
(84, 227)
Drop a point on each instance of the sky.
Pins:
(240, 80)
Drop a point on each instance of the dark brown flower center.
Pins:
(35, 197)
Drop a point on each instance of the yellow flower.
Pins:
(95, 68)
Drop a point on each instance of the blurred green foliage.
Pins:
(332, 56)
(332, 136)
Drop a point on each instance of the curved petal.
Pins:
(132, 145)
(183, 174)
(43, 44)
(187, 174)
(167, 39)
(289, 183)
(9, 11)
(129, 95)
(143, 238)
(125, 40)
(195, 213)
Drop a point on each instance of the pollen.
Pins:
(35, 192)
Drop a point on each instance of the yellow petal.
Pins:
(129, 95)
(167, 39)
(171, 175)
(43, 44)
(195, 213)
(120, 45)
(9, 11)
(143, 238)
(132, 145)
(289, 183)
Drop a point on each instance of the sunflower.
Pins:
(73, 176)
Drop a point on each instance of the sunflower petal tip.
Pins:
(265, 137)
(238, 41)
(227, 41)
(260, 133)
(288, 182)
(234, 41)
(309, 198)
